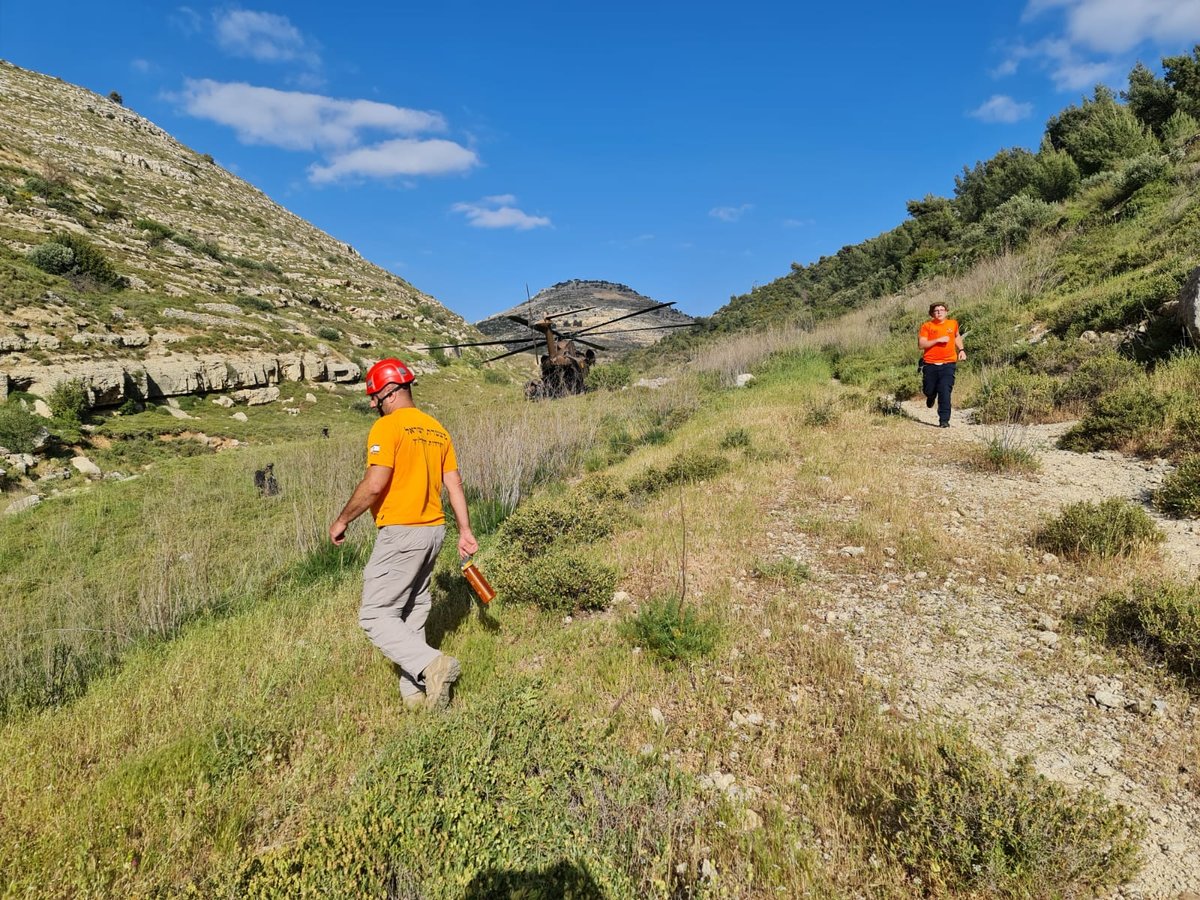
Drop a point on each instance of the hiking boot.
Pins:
(414, 701)
(943, 424)
(440, 675)
(929, 401)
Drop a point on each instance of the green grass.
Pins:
(672, 630)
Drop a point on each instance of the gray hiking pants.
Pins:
(396, 598)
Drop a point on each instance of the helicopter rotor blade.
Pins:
(586, 343)
(647, 328)
(572, 312)
(512, 340)
(636, 312)
(513, 352)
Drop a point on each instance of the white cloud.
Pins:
(1069, 69)
(499, 212)
(1117, 26)
(730, 213)
(142, 66)
(295, 120)
(403, 156)
(798, 223)
(1001, 108)
(262, 36)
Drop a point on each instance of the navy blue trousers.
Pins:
(938, 382)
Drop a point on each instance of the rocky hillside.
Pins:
(599, 301)
(139, 264)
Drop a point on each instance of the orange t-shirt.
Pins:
(940, 353)
(419, 451)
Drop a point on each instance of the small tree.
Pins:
(116, 98)
(68, 401)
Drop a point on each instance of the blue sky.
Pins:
(689, 150)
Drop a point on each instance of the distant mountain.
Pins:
(140, 264)
(589, 303)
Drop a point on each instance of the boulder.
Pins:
(257, 396)
(1188, 311)
(23, 504)
(42, 409)
(742, 380)
(86, 467)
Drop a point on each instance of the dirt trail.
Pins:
(992, 651)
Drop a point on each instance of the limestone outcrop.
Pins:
(111, 383)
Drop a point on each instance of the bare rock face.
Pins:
(1188, 310)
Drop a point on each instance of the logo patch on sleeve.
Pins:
(374, 448)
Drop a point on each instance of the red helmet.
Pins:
(388, 371)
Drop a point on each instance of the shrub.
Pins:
(609, 377)
(52, 257)
(1010, 225)
(1096, 376)
(1118, 421)
(116, 98)
(1179, 494)
(1006, 452)
(561, 579)
(494, 376)
(1140, 171)
(820, 416)
(735, 438)
(685, 468)
(1016, 396)
(1113, 527)
(156, 232)
(329, 334)
(68, 400)
(785, 571)
(545, 520)
(962, 824)
(1161, 619)
(20, 428)
(90, 264)
(671, 630)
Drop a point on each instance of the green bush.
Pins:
(560, 579)
(52, 257)
(329, 334)
(609, 377)
(68, 401)
(1095, 377)
(89, 264)
(685, 468)
(735, 438)
(1112, 527)
(1179, 494)
(785, 571)
(820, 416)
(547, 520)
(1015, 396)
(672, 630)
(1138, 172)
(1003, 453)
(963, 825)
(19, 427)
(156, 231)
(1010, 225)
(1161, 619)
(1125, 418)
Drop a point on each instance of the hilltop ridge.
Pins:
(215, 285)
(597, 301)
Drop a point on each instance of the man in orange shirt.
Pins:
(410, 458)
(941, 346)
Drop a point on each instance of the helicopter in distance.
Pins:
(563, 344)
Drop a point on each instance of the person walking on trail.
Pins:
(941, 346)
(410, 458)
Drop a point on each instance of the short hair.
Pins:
(933, 306)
